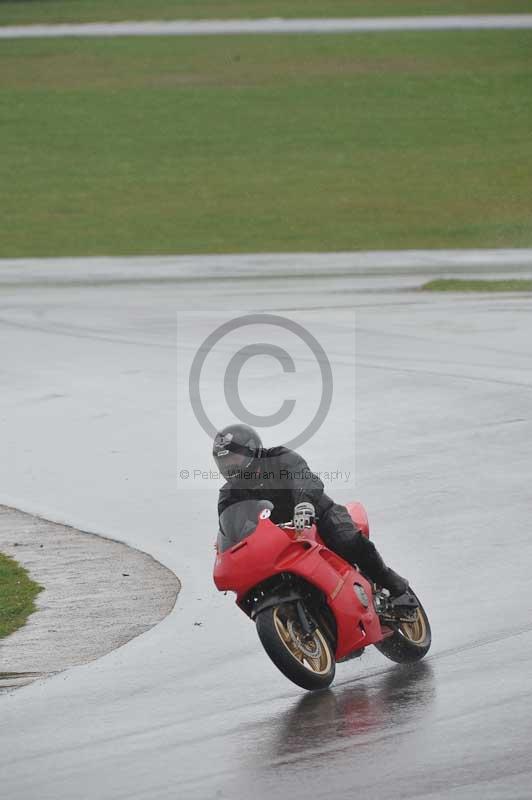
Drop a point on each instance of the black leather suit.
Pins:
(283, 477)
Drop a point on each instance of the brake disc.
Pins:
(311, 648)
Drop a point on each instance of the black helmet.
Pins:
(234, 448)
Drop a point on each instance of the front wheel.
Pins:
(410, 641)
(308, 661)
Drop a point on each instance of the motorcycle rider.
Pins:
(283, 477)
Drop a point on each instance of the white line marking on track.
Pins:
(375, 263)
(268, 26)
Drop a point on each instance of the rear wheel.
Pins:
(308, 660)
(410, 640)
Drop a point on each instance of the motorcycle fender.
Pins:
(274, 600)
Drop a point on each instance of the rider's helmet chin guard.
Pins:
(234, 449)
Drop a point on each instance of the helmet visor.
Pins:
(232, 464)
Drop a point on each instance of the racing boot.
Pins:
(398, 588)
(385, 577)
(372, 564)
(395, 584)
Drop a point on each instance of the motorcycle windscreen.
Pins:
(240, 520)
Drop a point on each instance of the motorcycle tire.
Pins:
(308, 662)
(410, 641)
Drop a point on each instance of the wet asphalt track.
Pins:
(444, 465)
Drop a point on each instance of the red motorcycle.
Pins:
(311, 607)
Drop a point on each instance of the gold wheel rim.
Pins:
(415, 631)
(319, 664)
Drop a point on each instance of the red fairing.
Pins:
(271, 550)
(358, 514)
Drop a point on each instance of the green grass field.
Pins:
(461, 285)
(33, 11)
(17, 595)
(288, 143)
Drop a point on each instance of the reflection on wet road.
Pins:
(343, 717)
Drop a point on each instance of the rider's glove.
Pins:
(303, 516)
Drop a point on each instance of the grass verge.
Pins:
(274, 143)
(459, 285)
(22, 12)
(17, 595)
